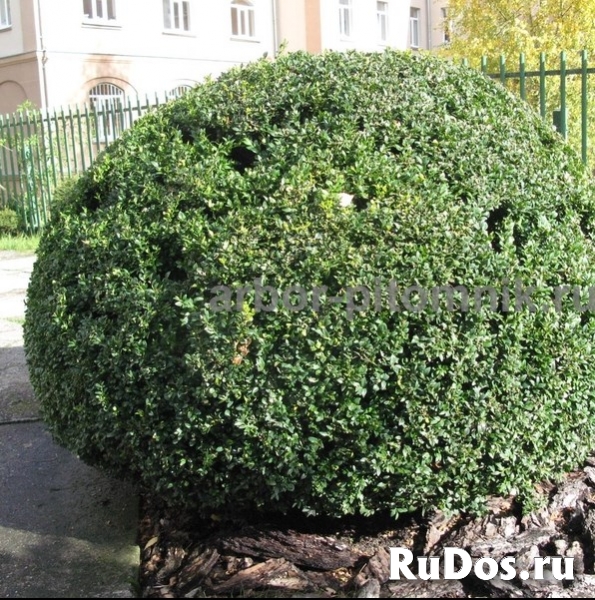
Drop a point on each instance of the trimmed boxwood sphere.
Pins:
(394, 172)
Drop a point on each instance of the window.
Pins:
(178, 91)
(176, 15)
(382, 16)
(345, 18)
(242, 19)
(414, 27)
(4, 14)
(101, 11)
(445, 26)
(108, 102)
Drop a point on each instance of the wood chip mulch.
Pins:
(297, 557)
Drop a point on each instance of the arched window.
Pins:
(178, 91)
(243, 19)
(107, 100)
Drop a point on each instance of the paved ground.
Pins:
(66, 530)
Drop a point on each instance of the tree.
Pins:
(514, 27)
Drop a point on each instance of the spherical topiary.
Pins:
(389, 173)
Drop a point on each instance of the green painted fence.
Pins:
(559, 94)
(39, 149)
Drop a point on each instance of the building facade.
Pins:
(318, 25)
(369, 25)
(72, 52)
(66, 52)
(429, 25)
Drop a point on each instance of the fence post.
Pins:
(42, 175)
(81, 147)
(88, 127)
(3, 167)
(14, 161)
(584, 106)
(502, 69)
(563, 115)
(522, 77)
(58, 144)
(51, 146)
(542, 91)
(26, 171)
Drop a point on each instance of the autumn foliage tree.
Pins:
(515, 27)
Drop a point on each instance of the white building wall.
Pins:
(365, 32)
(139, 31)
(135, 51)
(56, 58)
(11, 38)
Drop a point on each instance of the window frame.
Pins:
(7, 23)
(112, 101)
(243, 18)
(414, 26)
(382, 19)
(346, 19)
(105, 18)
(446, 25)
(174, 10)
(178, 91)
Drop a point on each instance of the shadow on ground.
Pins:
(16, 394)
(66, 530)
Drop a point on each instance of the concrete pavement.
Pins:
(66, 530)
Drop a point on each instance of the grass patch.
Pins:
(17, 320)
(19, 243)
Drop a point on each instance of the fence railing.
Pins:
(561, 94)
(39, 149)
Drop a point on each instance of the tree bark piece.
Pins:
(310, 551)
(275, 573)
(173, 560)
(378, 567)
(198, 567)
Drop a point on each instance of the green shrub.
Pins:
(454, 181)
(64, 191)
(9, 221)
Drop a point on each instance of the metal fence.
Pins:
(39, 149)
(560, 94)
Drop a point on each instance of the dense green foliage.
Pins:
(454, 181)
(9, 221)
